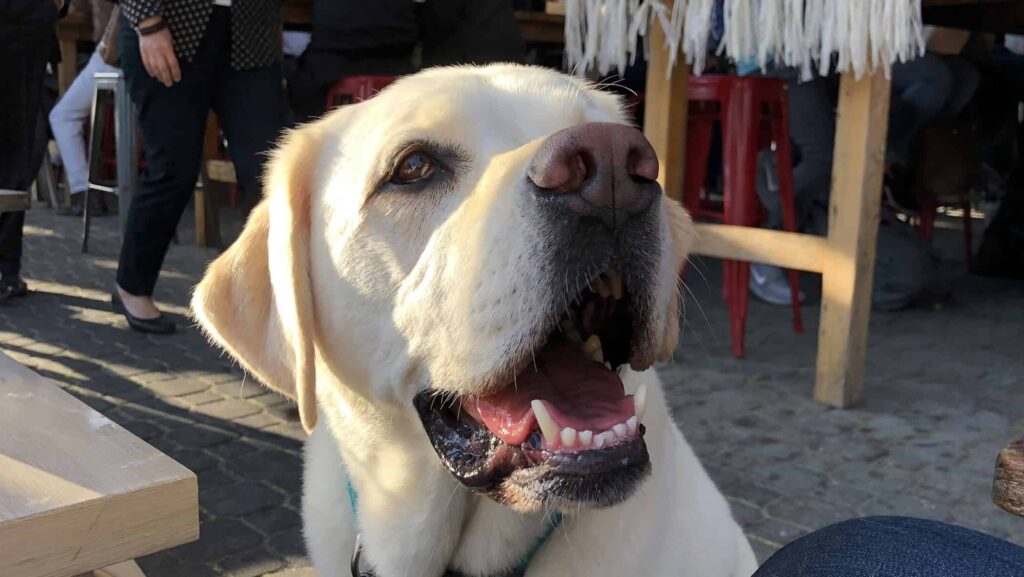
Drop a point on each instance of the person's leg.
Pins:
(251, 107)
(895, 547)
(965, 84)
(22, 68)
(920, 89)
(812, 128)
(68, 118)
(172, 120)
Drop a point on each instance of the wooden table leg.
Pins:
(854, 207)
(123, 569)
(665, 113)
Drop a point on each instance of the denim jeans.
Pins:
(896, 547)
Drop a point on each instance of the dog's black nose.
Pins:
(598, 170)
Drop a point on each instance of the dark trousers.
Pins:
(23, 56)
(251, 108)
(895, 547)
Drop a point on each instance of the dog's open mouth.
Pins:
(563, 431)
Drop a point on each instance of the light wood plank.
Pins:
(77, 491)
(785, 249)
(853, 229)
(665, 114)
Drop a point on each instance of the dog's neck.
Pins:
(414, 518)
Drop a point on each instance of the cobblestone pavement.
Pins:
(943, 394)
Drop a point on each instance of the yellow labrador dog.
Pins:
(463, 283)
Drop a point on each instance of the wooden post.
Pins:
(853, 229)
(665, 113)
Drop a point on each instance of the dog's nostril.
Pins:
(563, 173)
(642, 164)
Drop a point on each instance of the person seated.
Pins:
(69, 116)
(351, 38)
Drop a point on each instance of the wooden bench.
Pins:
(1008, 487)
(78, 493)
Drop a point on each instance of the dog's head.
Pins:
(484, 248)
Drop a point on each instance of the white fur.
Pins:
(356, 301)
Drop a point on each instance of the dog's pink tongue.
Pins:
(578, 392)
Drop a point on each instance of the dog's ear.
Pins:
(682, 233)
(255, 300)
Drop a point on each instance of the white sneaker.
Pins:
(771, 285)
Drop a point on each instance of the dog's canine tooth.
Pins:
(631, 424)
(597, 355)
(568, 437)
(548, 427)
(586, 438)
(620, 430)
(615, 283)
(592, 344)
(640, 401)
(608, 365)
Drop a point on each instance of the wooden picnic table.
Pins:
(78, 493)
(846, 257)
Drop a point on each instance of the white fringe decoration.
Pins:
(811, 35)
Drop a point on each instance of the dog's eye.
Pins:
(413, 167)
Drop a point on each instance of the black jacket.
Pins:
(255, 27)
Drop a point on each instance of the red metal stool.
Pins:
(754, 115)
(352, 89)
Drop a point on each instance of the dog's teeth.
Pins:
(568, 437)
(600, 440)
(608, 365)
(592, 344)
(586, 438)
(620, 430)
(615, 284)
(548, 428)
(601, 288)
(631, 424)
(597, 355)
(640, 401)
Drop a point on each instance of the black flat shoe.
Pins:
(158, 326)
(11, 289)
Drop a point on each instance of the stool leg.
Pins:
(784, 166)
(124, 137)
(739, 300)
(740, 133)
(95, 142)
(698, 147)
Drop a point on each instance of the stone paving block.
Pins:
(252, 563)
(776, 531)
(259, 421)
(239, 499)
(220, 538)
(195, 400)
(273, 520)
(200, 436)
(177, 386)
(229, 409)
(288, 544)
